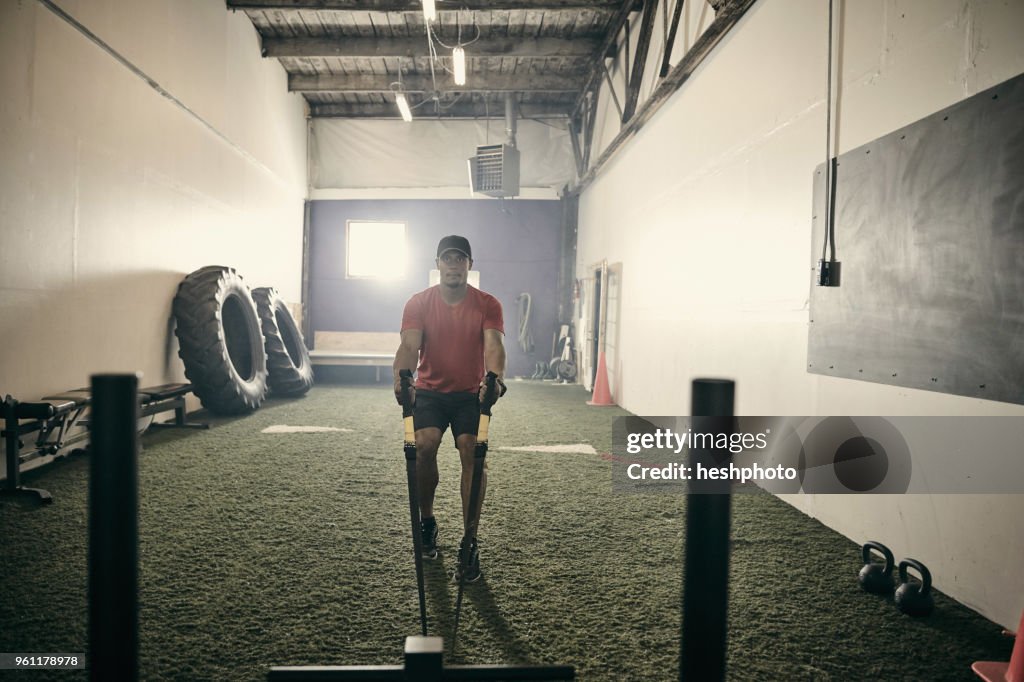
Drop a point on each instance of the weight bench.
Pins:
(54, 417)
(166, 397)
(367, 349)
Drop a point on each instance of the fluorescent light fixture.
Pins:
(429, 10)
(403, 107)
(459, 62)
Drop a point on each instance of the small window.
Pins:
(375, 249)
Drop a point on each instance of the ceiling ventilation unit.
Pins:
(494, 170)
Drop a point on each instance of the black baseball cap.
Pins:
(453, 242)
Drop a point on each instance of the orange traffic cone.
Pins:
(602, 396)
(999, 671)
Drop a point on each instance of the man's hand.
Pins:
(398, 393)
(499, 384)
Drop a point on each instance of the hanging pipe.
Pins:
(510, 118)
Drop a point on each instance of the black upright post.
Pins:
(706, 581)
(113, 529)
(12, 445)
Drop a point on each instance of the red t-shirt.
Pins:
(452, 354)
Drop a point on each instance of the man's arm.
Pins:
(494, 352)
(494, 358)
(407, 356)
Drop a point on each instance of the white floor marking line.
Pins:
(284, 428)
(575, 448)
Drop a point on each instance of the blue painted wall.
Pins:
(515, 249)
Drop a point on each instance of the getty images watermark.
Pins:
(978, 455)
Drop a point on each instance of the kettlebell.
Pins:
(874, 577)
(911, 598)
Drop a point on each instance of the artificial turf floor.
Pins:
(260, 549)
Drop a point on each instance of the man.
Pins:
(452, 336)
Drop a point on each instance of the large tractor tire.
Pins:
(220, 341)
(291, 371)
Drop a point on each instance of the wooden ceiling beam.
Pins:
(388, 110)
(416, 6)
(417, 47)
(483, 82)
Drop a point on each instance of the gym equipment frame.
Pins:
(55, 418)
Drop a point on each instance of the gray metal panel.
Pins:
(930, 234)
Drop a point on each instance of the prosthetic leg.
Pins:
(405, 377)
(490, 396)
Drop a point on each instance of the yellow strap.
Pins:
(410, 430)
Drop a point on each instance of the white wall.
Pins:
(110, 191)
(709, 210)
(427, 158)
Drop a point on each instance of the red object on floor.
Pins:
(998, 671)
(602, 396)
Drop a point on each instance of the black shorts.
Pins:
(460, 410)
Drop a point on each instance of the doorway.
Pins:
(595, 324)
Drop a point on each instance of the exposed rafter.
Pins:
(468, 109)
(643, 44)
(497, 82)
(577, 150)
(611, 89)
(728, 13)
(670, 42)
(417, 47)
(597, 66)
(416, 6)
(543, 49)
(588, 129)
